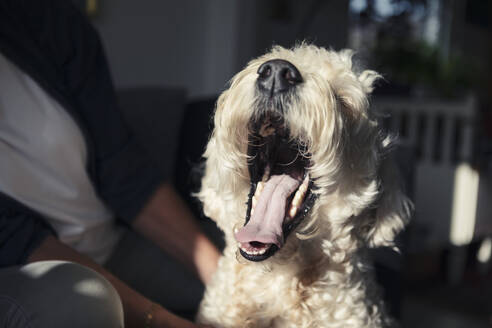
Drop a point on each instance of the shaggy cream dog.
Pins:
(298, 179)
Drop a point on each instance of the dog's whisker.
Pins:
(252, 157)
(240, 259)
(256, 145)
(291, 162)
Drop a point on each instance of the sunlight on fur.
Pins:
(318, 277)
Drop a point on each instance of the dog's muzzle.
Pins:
(277, 76)
(281, 189)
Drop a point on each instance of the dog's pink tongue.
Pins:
(265, 225)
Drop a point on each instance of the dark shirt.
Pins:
(53, 42)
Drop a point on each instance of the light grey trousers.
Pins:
(55, 294)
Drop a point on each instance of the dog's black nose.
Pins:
(277, 75)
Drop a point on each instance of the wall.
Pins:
(174, 43)
(263, 23)
(200, 44)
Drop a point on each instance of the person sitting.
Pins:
(71, 172)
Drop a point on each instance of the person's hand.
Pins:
(167, 221)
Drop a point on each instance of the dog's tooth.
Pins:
(239, 245)
(305, 183)
(303, 188)
(266, 174)
(301, 196)
(292, 211)
(297, 198)
(294, 202)
(255, 200)
(236, 230)
(259, 188)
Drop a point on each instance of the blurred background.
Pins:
(170, 60)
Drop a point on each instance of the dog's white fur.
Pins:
(319, 278)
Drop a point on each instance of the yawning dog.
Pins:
(298, 177)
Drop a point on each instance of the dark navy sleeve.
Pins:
(21, 232)
(56, 44)
(121, 170)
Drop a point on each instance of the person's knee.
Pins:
(65, 294)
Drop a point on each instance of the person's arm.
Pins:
(168, 222)
(134, 304)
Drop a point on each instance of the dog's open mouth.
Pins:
(281, 190)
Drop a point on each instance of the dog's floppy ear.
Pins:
(367, 79)
(391, 210)
(352, 89)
